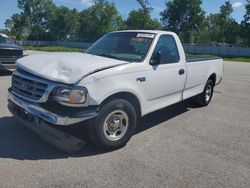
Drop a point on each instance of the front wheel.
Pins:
(114, 125)
(206, 96)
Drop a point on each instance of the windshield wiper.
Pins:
(108, 56)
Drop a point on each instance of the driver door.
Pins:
(166, 79)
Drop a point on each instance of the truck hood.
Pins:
(65, 67)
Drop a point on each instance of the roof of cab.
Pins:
(146, 31)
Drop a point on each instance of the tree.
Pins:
(183, 17)
(226, 10)
(17, 25)
(245, 25)
(36, 13)
(63, 23)
(202, 35)
(42, 20)
(32, 22)
(141, 19)
(97, 20)
(223, 28)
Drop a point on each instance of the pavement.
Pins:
(181, 146)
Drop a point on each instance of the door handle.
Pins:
(181, 71)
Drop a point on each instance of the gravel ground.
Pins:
(180, 146)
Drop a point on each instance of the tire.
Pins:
(114, 125)
(206, 96)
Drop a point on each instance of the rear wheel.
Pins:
(206, 96)
(114, 125)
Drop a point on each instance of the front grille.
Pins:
(11, 53)
(28, 88)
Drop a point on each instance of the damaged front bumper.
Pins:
(48, 116)
(43, 123)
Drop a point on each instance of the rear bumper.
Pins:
(49, 117)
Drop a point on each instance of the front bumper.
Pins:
(49, 133)
(47, 116)
(8, 62)
(7, 66)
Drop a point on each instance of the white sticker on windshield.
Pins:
(145, 35)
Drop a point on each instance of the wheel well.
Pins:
(131, 98)
(213, 78)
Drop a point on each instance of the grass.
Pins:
(53, 48)
(237, 59)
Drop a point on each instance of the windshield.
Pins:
(127, 46)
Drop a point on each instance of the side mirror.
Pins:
(156, 59)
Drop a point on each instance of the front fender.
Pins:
(101, 89)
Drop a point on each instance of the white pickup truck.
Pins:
(122, 77)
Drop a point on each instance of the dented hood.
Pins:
(65, 67)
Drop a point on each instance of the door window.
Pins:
(168, 50)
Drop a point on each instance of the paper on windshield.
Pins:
(145, 35)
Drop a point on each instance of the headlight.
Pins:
(76, 96)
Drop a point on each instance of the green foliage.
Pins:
(97, 20)
(141, 19)
(223, 28)
(183, 17)
(43, 20)
(226, 10)
(186, 18)
(18, 26)
(238, 59)
(245, 25)
(36, 13)
(63, 24)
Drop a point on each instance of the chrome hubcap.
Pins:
(208, 93)
(115, 125)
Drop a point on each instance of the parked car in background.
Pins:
(9, 52)
(122, 77)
